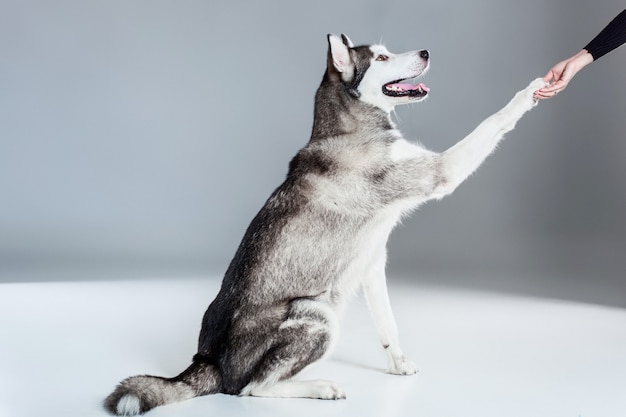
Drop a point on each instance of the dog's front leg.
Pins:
(462, 159)
(377, 297)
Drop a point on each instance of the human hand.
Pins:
(562, 73)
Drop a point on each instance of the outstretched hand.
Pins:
(561, 74)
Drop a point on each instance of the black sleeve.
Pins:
(611, 37)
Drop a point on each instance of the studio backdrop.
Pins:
(138, 139)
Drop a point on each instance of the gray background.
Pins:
(138, 138)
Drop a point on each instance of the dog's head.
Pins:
(376, 76)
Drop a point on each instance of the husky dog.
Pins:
(322, 234)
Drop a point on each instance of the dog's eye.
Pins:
(382, 58)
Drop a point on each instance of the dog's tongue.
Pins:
(407, 87)
(419, 86)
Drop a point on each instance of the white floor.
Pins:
(64, 346)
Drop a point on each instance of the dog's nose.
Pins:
(424, 54)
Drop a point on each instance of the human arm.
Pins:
(561, 74)
(610, 38)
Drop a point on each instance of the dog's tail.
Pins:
(138, 394)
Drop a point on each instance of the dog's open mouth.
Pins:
(401, 88)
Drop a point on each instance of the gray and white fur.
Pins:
(322, 235)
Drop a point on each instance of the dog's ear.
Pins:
(339, 57)
(346, 41)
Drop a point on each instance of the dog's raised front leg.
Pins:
(375, 290)
(462, 159)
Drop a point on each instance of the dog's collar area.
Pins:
(398, 88)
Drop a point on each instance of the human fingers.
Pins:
(549, 76)
(548, 91)
(551, 90)
(541, 95)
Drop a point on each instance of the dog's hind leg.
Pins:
(303, 338)
(377, 297)
(318, 389)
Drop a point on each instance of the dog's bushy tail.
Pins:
(138, 394)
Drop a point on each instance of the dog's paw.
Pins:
(326, 390)
(524, 100)
(402, 366)
(537, 84)
(529, 92)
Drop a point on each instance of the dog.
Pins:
(322, 235)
